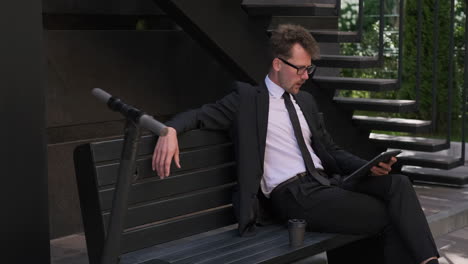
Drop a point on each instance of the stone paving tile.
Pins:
(453, 247)
(69, 250)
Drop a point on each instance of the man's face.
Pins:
(288, 78)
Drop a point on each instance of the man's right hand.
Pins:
(166, 149)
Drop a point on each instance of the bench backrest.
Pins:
(194, 199)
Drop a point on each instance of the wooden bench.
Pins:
(195, 199)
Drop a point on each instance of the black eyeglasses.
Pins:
(300, 70)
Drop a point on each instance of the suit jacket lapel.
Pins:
(263, 102)
(306, 111)
(316, 144)
(327, 161)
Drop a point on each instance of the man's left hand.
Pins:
(383, 168)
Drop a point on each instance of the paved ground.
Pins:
(435, 200)
(453, 247)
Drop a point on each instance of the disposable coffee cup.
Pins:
(296, 228)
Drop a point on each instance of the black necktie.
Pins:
(300, 141)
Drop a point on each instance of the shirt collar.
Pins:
(273, 89)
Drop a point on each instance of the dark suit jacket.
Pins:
(245, 113)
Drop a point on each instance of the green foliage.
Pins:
(369, 47)
(441, 75)
(370, 44)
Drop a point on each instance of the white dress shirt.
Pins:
(283, 158)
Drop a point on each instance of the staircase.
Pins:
(240, 46)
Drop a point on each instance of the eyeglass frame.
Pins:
(309, 69)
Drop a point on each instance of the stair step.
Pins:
(453, 177)
(343, 61)
(379, 105)
(109, 8)
(392, 124)
(331, 36)
(345, 83)
(288, 8)
(429, 160)
(311, 23)
(409, 143)
(241, 58)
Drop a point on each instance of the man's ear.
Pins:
(276, 65)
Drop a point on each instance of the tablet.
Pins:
(364, 170)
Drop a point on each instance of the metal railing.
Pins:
(465, 87)
(435, 65)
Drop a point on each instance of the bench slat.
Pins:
(234, 244)
(189, 160)
(257, 249)
(227, 255)
(181, 245)
(204, 244)
(111, 150)
(164, 232)
(314, 243)
(173, 185)
(178, 206)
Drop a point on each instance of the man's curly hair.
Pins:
(286, 35)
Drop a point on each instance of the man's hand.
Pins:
(165, 150)
(383, 168)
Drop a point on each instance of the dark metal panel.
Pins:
(160, 72)
(25, 226)
(176, 206)
(189, 160)
(121, 7)
(173, 185)
(241, 43)
(160, 233)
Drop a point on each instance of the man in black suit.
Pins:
(285, 154)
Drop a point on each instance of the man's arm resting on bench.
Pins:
(166, 149)
(216, 116)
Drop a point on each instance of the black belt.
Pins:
(298, 177)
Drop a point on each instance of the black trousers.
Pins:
(384, 206)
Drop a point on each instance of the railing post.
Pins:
(435, 52)
(381, 31)
(465, 86)
(418, 55)
(400, 41)
(450, 77)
